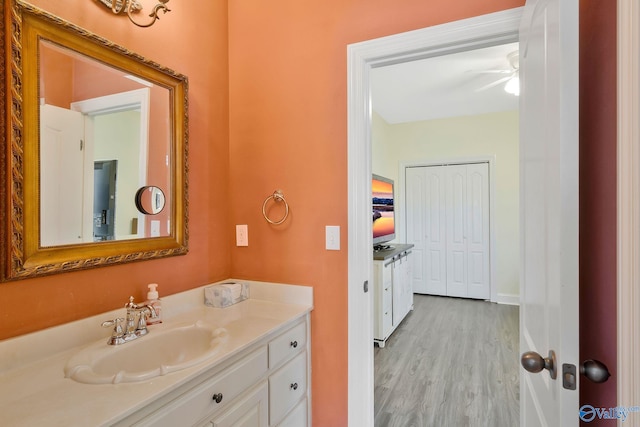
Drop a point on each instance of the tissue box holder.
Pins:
(225, 294)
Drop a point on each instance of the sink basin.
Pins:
(158, 353)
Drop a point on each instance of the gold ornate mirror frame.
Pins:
(21, 254)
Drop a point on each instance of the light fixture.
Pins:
(513, 85)
(131, 7)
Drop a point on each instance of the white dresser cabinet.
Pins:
(266, 385)
(392, 292)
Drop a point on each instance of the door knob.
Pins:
(595, 371)
(533, 362)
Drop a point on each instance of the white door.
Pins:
(448, 222)
(549, 206)
(477, 233)
(61, 176)
(426, 229)
(456, 231)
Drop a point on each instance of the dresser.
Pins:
(392, 292)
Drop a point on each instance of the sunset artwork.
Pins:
(383, 218)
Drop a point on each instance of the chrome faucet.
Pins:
(133, 328)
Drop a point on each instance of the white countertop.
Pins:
(34, 390)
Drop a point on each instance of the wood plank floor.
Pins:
(452, 362)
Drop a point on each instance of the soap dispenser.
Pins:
(154, 301)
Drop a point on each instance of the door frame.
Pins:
(467, 34)
(402, 204)
(628, 204)
(136, 99)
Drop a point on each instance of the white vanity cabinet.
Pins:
(392, 290)
(265, 385)
(250, 411)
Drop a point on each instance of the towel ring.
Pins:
(277, 196)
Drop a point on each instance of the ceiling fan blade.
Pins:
(493, 84)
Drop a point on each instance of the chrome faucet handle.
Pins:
(117, 336)
(141, 329)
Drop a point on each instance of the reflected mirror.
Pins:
(150, 200)
(90, 123)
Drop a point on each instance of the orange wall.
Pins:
(598, 210)
(177, 42)
(288, 130)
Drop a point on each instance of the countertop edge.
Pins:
(396, 249)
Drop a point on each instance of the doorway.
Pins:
(473, 33)
(105, 173)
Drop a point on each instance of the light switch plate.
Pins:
(242, 235)
(155, 228)
(332, 237)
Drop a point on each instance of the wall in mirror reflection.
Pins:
(104, 134)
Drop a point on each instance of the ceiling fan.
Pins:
(511, 78)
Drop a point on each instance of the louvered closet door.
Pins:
(448, 222)
(426, 230)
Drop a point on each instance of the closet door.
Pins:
(456, 227)
(478, 277)
(425, 198)
(448, 222)
(468, 231)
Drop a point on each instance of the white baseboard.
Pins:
(508, 299)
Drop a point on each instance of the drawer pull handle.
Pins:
(217, 397)
(294, 386)
(294, 344)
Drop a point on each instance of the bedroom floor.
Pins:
(451, 362)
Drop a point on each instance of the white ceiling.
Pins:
(444, 86)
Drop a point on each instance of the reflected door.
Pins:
(61, 176)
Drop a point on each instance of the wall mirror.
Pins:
(87, 125)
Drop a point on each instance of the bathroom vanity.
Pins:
(258, 375)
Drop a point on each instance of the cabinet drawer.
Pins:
(287, 344)
(297, 417)
(249, 411)
(198, 402)
(287, 386)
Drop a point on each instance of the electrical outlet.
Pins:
(332, 237)
(242, 235)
